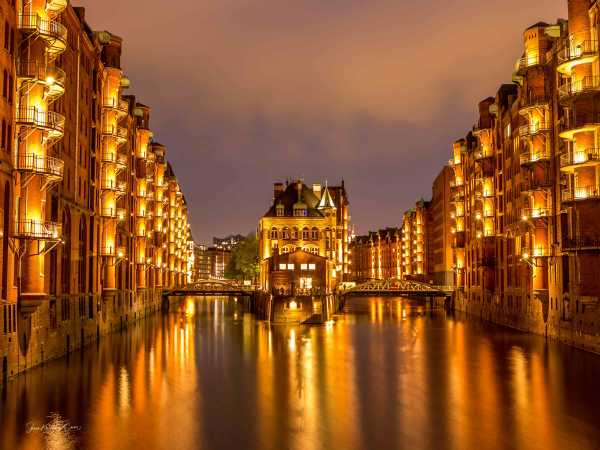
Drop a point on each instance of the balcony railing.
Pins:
(586, 85)
(110, 184)
(115, 131)
(55, 7)
(110, 250)
(109, 212)
(528, 61)
(587, 157)
(117, 104)
(49, 121)
(581, 243)
(52, 31)
(535, 213)
(577, 122)
(38, 230)
(573, 54)
(535, 252)
(116, 158)
(534, 101)
(534, 157)
(581, 193)
(534, 129)
(52, 77)
(42, 165)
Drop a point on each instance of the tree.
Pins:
(243, 264)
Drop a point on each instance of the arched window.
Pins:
(286, 233)
(314, 234)
(295, 233)
(305, 233)
(82, 254)
(65, 265)
(273, 233)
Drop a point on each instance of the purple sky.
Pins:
(248, 92)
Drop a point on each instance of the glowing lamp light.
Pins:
(524, 218)
(50, 80)
(525, 255)
(293, 305)
(120, 254)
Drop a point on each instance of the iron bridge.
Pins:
(394, 286)
(210, 287)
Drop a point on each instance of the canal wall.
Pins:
(43, 335)
(533, 315)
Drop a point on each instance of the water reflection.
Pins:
(387, 374)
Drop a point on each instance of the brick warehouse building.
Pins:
(526, 189)
(94, 220)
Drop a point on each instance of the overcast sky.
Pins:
(248, 92)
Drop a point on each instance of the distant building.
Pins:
(228, 242)
(440, 230)
(312, 219)
(210, 262)
(376, 255)
(202, 268)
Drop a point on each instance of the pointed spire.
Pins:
(326, 199)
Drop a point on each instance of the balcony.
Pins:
(580, 158)
(573, 54)
(112, 251)
(535, 252)
(52, 123)
(118, 159)
(116, 132)
(55, 7)
(575, 89)
(48, 166)
(528, 158)
(534, 129)
(120, 106)
(534, 101)
(37, 230)
(529, 61)
(53, 78)
(581, 243)
(110, 184)
(579, 123)
(481, 155)
(535, 213)
(110, 213)
(51, 31)
(581, 193)
(536, 184)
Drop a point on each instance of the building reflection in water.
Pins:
(387, 374)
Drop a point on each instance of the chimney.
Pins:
(316, 187)
(277, 190)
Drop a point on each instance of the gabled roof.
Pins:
(289, 197)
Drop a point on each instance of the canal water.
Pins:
(385, 375)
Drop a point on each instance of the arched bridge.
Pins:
(394, 286)
(210, 287)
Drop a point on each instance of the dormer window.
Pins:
(279, 209)
(300, 210)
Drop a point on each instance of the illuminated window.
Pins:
(282, 266)
(294, 233)
(303, 266)
(314, 234)
(290, 266)
(306, 283)
(305, 234)
(279, 210)
(312, 266)
(286, 233)
(273, 233)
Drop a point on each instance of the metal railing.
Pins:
(115, 131)
(528, 61)
(535, 100)
(572, 51)
(583, 86)
(38, 230)
(110, 184)
(44, 165)
(533, 129)
(581, 243)
(535, 213)
(580, 157)
(581, 193)
(47, 120)
(42, 72)
(535, 252)
(118, 104)
(108, 212)
(533, 157)
(48, 28)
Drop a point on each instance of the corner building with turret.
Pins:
(526, 189)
